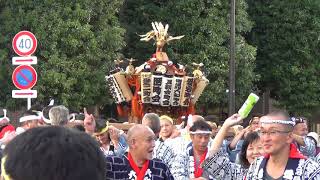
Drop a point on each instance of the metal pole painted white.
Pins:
(29, 103)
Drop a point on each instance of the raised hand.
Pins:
(218, 140)
(114, 135)
(233, 120)
(89, 122)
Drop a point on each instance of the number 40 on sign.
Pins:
(24, 43)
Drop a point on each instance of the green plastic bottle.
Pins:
(248, 105)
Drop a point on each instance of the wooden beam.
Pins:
(124, 127)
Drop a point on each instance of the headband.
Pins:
(200, 132)
(72, 117)
(285, 122)
(29, 118)
(105, 129)
(4, 118)
(48, 121)
(4, 115)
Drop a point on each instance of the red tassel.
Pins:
(191, 109)
(120, 110)
(134, 106)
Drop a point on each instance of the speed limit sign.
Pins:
(24, 43)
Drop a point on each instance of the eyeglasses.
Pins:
(272, 133)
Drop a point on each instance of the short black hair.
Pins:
(255, 115)
(200, 125)
(100, 124)
(80, 116)
(300, 119)
(284, 114)
(79, 127)
(27, 113)
(250, 138)
(259, 115)
(279, 112)
(54, 153)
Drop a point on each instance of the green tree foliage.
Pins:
(287, 34)
(205, 25)
(77, 43)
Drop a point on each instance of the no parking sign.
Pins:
(24, 77)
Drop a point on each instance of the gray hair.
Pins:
(153, 121)
(59, 115)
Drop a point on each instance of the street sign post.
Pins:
(24, 77)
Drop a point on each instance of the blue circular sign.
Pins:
(24, 77)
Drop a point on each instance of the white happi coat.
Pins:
(297, 169)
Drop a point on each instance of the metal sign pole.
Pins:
(29, 103)
(232, 88)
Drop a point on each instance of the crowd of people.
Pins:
(57, 145)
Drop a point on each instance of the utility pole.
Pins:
(232, 88)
